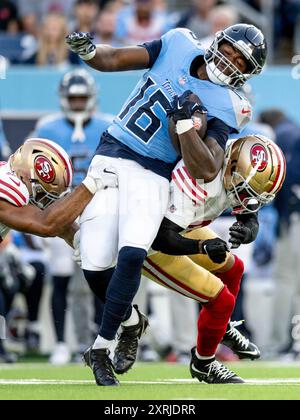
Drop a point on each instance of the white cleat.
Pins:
(61, 355)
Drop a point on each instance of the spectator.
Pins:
(8, 17)
(219, 18)
(52, 49)
(86, 12)
(141, 22)
(106, 28)
(287, 258)
(196, 17)
(41, 8)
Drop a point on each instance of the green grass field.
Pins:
(146, 382)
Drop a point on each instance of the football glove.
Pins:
(239, 234)
(216, 249)
(101, 175)
(81, 43)
(182, 108)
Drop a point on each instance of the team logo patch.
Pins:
(44, 169)
(259, 154)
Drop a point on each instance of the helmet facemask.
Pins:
(42, 198)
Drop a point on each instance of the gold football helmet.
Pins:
(255, 169)
(45, 168)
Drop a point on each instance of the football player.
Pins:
(77, 129)
(37, 174)
(120, 225)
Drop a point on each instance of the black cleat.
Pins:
(101, 365)
(238, 343)
(126, 350)
(212, 372)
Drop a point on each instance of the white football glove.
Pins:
(81, 43)
(76, 245)
(101, 175)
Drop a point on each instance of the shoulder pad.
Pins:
(48, 119)
(13, 190)
(242, 109)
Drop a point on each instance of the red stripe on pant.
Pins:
(212, 322)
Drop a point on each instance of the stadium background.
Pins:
(29, 90)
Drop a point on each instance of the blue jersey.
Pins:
(60, 130)
(142, 124)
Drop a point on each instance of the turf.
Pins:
(157, 381)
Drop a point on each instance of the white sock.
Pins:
(204, 357)
(132, 320)
(102, 343)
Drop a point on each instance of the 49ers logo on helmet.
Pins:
(44, 169)
(259, 155)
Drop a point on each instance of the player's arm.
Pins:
(105, 57)
(244, 230)
(203, 154)
(53, 221)
(170, 241)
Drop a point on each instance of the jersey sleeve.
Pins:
(153, 48)
(13, 190)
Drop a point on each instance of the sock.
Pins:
(59, 305)
(122, 289)
(102, 343)
(98, 282)
(232, 278)
(204, 358)
(132, 320)
(212, 322)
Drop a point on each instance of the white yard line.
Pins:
(283, 381)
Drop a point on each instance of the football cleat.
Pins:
(238, 343)
(61, 355)
(126, 350)
(101, 365)
(212, 372)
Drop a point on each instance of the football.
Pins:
(200, 124)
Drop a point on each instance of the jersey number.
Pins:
(145, 109)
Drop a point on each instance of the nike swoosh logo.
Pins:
(17, 183)
(252, 353)
(246, 111)
(108, 172)
(198, 371)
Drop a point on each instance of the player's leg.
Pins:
(143, 202)
(190, 279)
(230, 273)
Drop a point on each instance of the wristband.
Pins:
(89, 56)
(90, 184)
(182, 126)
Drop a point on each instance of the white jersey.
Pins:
(12, 190)
(193, 204)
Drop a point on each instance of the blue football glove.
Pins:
(81, 43)
(182, 108)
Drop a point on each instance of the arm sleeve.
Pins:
(251, 222)
(170, 241)
(219, 130)
(153, 48)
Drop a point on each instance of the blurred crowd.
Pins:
(33, 31)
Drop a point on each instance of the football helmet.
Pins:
(45, 168)
(249, 41)
(254, 172)
(76, 84)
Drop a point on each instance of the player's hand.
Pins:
(216, 249)
(76, 245)
(182, 108)
(81, 43)
(239, 234)
(101, 175)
